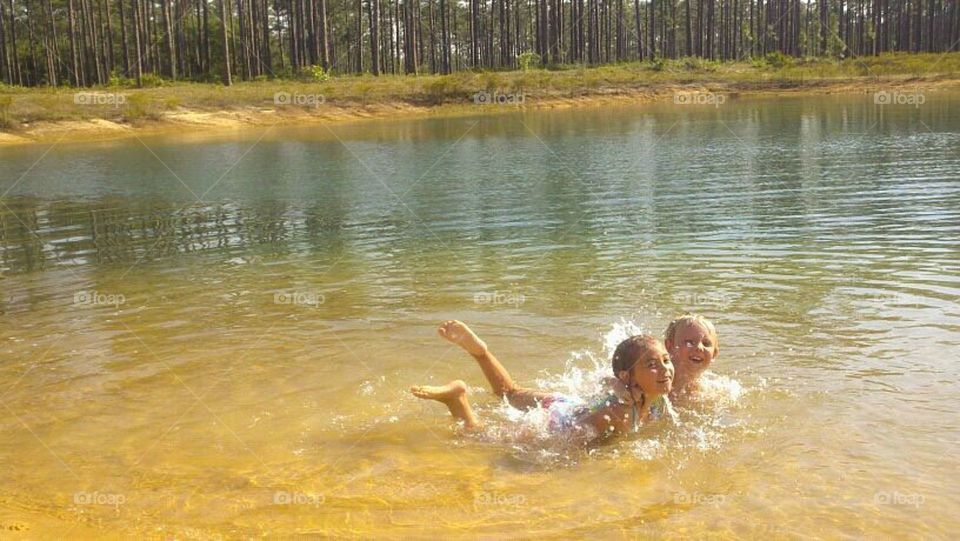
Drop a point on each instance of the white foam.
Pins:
(702, 425)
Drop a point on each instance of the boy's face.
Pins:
(692, 349)
(653, 372)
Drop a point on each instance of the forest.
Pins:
(98, 42)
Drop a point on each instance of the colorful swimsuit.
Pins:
(565, 411)
(660, 409)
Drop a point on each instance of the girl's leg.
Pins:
(500, 381)
(454, 396)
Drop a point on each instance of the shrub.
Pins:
(527, 60)
(691, 64)
(152, 80)
(317, 74)
(116, 81)
(440, 88)
(364, 89)
(776, 59)
(491, 81)
(6, 103)
(284, 73)
(138, 107)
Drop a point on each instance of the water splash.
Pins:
(701, 424)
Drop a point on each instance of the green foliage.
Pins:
(284, 74)
(534, 79)
(491, 81)
(443, 87)
(364, 89)
(692, 63)
(318, 74)
(309, 74)
(152, 80)
(138, 106)
(592, 78)
(117, 81)
(53, 104)
(776, 59)
(6, 119)
(527, 60)
(464, 79)
(515, 85)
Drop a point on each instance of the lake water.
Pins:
(205, 337)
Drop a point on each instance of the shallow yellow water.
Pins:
(239, 368)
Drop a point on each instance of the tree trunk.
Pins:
(225, 42)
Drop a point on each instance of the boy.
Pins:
(693, 344)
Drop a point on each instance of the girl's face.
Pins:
(653, 372)
(692, 349)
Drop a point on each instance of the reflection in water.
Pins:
(38, 233)
(819, 233)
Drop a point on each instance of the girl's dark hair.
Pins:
(630, 350)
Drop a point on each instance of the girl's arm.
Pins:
(608, 414)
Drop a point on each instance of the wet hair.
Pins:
(690, 319)
(630, 350)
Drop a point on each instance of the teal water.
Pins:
(198, 323)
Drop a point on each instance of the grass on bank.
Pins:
(20, 105)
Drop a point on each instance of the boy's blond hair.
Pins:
(689, 319)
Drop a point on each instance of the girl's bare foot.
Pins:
(453, 395)
(441, 393)
(458, 333)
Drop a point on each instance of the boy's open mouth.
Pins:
(697, 359)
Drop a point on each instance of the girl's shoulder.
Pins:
(608, 397)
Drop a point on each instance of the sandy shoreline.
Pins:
(219, 122)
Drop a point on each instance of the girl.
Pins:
(643, 379)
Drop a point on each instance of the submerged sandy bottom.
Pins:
(239, 368)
